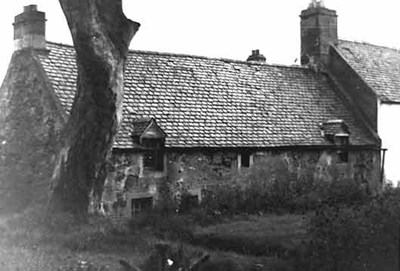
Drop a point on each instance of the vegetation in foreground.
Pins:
(100, 245)
(357, 237)
(354, 233)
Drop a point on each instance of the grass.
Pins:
(28, 244)
(270, 235)
(52, 258)
(251, 243)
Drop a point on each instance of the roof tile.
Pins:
(203, 102)
(379, 66)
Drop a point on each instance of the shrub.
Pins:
(357, 237)
(279, 195)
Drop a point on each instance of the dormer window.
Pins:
(150, 139)
(153, 157)
(337, 132)
(342, 141)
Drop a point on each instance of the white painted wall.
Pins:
(389, 132)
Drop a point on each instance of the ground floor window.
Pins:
(141, 205)
(343, 156)
(245, 159)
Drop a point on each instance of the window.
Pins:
(131, 181)
(153, 158)
(245, 159)
(141, 205)
(222, 159)
(342, 140)
(343, 156)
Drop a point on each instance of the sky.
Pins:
(222, 28)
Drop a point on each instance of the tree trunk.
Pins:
(101, 34)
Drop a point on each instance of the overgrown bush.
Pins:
(357, 237)
(272, 187)
(280, 195)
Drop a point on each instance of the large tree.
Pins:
(101, 34)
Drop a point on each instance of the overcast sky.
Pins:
(223, 28)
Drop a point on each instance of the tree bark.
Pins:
(101, 34)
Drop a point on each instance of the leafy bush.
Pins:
(280, 195)
(357, 237)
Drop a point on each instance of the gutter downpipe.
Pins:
(383, 165)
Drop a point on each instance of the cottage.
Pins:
(197, 121)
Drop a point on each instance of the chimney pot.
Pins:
(29, 29)
(30, 8)
(256, 56)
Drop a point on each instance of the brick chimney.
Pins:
(318, 31)
(256, 57)
(29, 29)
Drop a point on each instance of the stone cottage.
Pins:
(196, 121)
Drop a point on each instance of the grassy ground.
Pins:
(270, 235)
(246, 243)
(53, 258)
(25, 244)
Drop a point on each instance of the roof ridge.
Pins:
(371, 44)
(250, 63)
(59, 43)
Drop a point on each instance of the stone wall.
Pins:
(193, 170)
(199, 169)
(30, 127)
(362, 166)
(127, 180)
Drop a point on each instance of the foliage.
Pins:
(166, 203)
(280, 195)
(358, 237)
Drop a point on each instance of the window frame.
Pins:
(139, 205)
(343, 156)
(153, 160)
(249, 160)
(153, 155)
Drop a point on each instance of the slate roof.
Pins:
(205, 102)
(378, 66)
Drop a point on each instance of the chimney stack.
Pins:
(256, 57)
(29, 29)
(318, 31)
